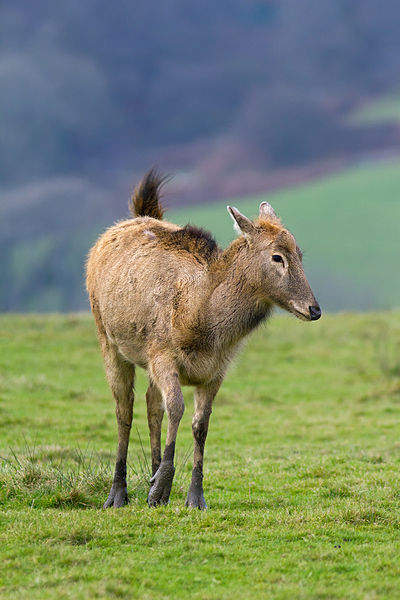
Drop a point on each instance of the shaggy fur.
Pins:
(167, 299)
(145, 198)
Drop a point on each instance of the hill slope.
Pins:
(347, 226)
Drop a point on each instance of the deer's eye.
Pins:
(277, 258)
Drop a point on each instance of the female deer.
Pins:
(168, 299)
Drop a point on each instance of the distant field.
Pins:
(302, 472)
(384, 109)
(347, 226)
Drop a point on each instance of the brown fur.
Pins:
(145, 198)
(168, 299)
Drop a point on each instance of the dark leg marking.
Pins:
(161, 482)
(118, 495)
(166, 378)
(204, 397)
(195, 497)
(121, 378)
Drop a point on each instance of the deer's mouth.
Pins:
(299, 312)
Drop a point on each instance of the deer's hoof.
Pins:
(195, 499)
(117, 497)
(161, 484)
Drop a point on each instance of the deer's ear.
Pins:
(242, 225)
(267, 213)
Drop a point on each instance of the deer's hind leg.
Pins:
(155, 413)
(121, 377)
(165, 377)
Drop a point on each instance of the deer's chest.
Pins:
(200, 366)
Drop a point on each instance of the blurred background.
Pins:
(297, 101)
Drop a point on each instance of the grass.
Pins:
(347, 224)
(385, 109)
(302, 471)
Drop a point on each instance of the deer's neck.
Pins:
(234, 306)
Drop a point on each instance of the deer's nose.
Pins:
(315, 312)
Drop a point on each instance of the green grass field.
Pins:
(385, 109)
(347, 226)
(302, 472)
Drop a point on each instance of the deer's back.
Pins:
(146, 280)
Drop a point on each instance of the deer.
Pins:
(168, 299)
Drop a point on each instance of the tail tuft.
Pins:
(145, 201)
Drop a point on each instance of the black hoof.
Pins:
(117, 497)
(161, 484)
(195, 499)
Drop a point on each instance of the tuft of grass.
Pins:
(33, 480)
(80, 479)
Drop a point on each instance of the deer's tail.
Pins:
(145, 201)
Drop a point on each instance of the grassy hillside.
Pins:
(384, 109)
(302, 471)
(347, 225)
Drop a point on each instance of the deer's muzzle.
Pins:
(315, 312)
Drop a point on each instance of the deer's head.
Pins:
(275, 263)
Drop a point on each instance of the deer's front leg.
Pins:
(168, 382)
(204, 397)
